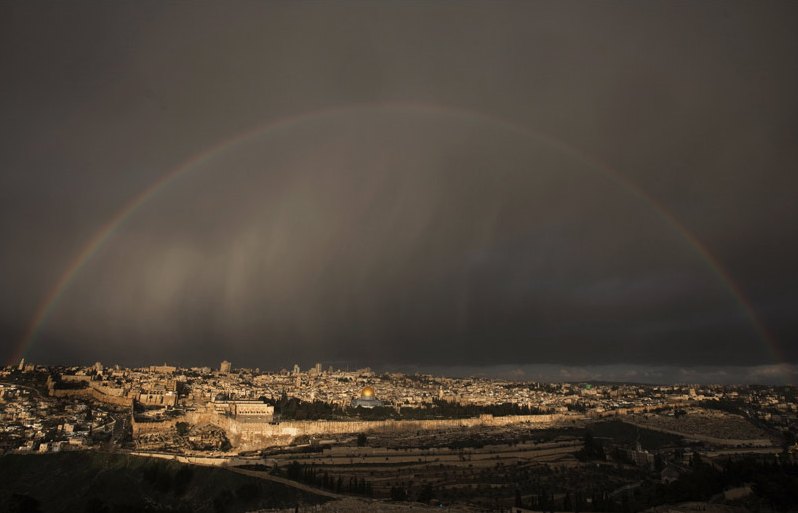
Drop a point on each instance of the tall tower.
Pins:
(225, 367)
(21, 365)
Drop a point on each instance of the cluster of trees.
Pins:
(774, 485)
(295, 409)
(576, 501)
(442, 409)
(311, 475)
(161, 477)
(735, 406)
(21, 503)
(578, 407)
(593, 450)
(449, 409)
(246, 493)
(291, 408)
(400, 493)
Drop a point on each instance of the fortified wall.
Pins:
(246, 434)
(98, 393)
(321, 427)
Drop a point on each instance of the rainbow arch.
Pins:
(101, 236)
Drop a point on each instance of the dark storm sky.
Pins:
(417, 229)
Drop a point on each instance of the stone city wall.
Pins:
(250, 435)
(92, 393)
(247, 435)
(340, 427)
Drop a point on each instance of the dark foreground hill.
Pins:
(92, 482)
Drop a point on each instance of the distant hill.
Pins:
(93, 482)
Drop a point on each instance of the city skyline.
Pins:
(768, 375)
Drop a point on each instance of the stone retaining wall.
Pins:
(92, 393)
(249, 435)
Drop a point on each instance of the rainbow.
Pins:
(51, 300)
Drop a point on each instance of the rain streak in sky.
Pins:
(523, 190)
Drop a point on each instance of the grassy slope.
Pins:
(72, 481)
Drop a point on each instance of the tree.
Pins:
(182, 428)
(248, 492)
(221, 501)
(398, 493)
(592, 450)
(95, 505)
(426, 494)
(182, 479)
(659, 463)
(20, 503)
(695, 460)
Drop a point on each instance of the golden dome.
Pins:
(367, 393)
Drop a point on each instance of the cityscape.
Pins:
(339, 440)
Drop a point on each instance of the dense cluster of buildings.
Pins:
(31, 421)
(47, 409)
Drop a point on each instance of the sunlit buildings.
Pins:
(367, 399)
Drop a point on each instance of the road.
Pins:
(299, 486)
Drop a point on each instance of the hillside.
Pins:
(111, 483)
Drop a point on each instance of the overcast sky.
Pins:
(464, 185)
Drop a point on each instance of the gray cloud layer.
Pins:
(401, 236)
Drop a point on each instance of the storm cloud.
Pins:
(463, 186)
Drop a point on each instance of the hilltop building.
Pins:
(163, 369)
(247, 409)
(367, 399)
